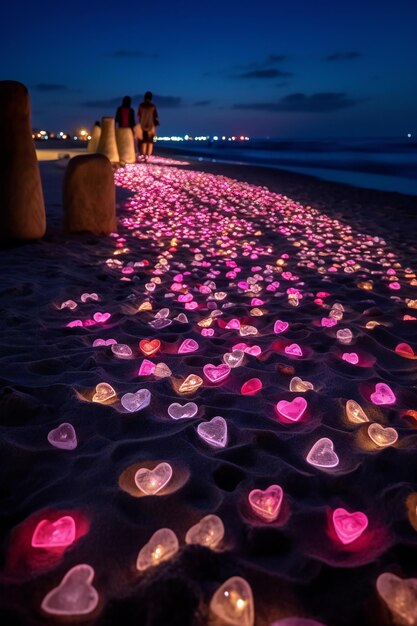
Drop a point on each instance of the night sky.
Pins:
(299, 68)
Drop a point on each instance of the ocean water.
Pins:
(384, 164)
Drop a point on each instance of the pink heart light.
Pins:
(58, 534)
(349, 526)
(150, 482)
(322, 454)
(188, 345)
(133, 402)
(251, 387)
(233, 324)
(383, 394)
(328, 322)
(293, 410)
(103, 342)
(178, 411)
(75, 595)
(216, 373)
(267, 504)
(64, 437)
(101, 318)
(146, 368)
(214, 432)
(280, 326)
(293, 350)
(350, 357)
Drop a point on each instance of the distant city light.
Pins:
(409, 135)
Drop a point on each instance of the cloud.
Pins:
(51, 87)
(202, 103)
(162, 102)
(322, 102)
(343, 56)
(263, 73)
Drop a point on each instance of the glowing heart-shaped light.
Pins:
(382, 437)
(68, 304)
(86, 297)
(247, 331)
(75, 595)
(344, 335)
(251, 387)
(400, 595)
(293, 410)
(161, 546)
(350, 357)
(160, 323)
(328, 322)
(233, 324)
(121, 350)
(149, 347)
(280, 326)
(146, 368)
(383, 394)
(136, 401)
(216, 373)
(300, 386)
(233, 603)
(403, 349)
(234, 359)
(188, 345)
(181, 318)
(64, 437)
(355, 412)
(103, 342)
(208, 532)
(349, 526)
(267, 504)
(214, 432)
(162, 370)
(322, 454)
(101, 318)
(162, 314)
(103, 393)
(293, 350)
(190, 384)
(182, 411)
(152, 481)
(58, 534)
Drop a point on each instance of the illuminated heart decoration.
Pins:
(267, 504)
(179, 412)
(233, 603)
(208, 532)
(101, 318)
(104, 392)
(405, 350)
(400, 595)
(160, 323)
(383, 394)
(75, 595)
(344, 335)
(146, 368)
(136, 401)
(216, 373)
(300, 386)
(293, 350)
(68, 304)
(89, 296)
(121, 350)
(162, 314)
(247, 331)
(58, 534)
(182, 318)
(190, 384)
(188, 345)
(350, 357)
(349, 526)
(207, 332)
(103, 342)
(64, 437)
(355, 412)
(151, 482)
(322, 454)
(253, 350)
(234, 359)
(293, 410)
(214, 432)
(233, 324)
(280, 326)
(149, 347)
(251, 387)
(161, 546)
(382, 437)
(328, 322)
(162, 370)
(75, 324)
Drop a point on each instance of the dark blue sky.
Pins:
(299, 68)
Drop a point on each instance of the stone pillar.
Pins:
(107, 144)
(89, 195)
(126, 145)
(95, 139)
(22, 209)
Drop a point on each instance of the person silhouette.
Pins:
(148, 119)
(125, 115)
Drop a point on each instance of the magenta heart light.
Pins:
(293, 350)
(293, 410)
(75, 595)
(216, 373)
(64, 437)
(146, 368)
(383, 394)
(280, 327)
(57, 534)
(350, 357)
(188, 345)
(349, 526)
(266, 504)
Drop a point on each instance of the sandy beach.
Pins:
(283, 297)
